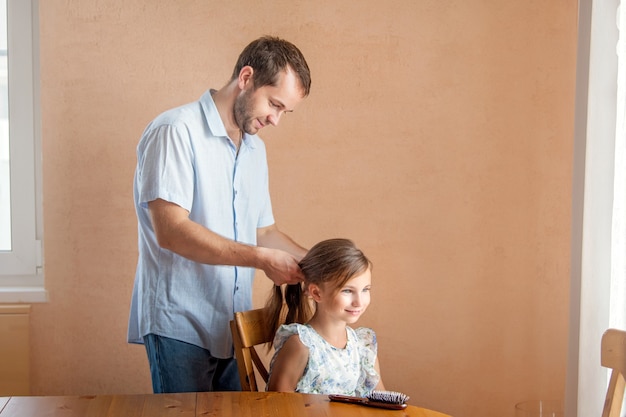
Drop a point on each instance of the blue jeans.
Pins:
(177, 366)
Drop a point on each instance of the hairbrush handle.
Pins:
(364, 401)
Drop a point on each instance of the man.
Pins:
(205, 219)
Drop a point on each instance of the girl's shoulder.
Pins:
(305, 333)
(364, 333)
(366, 337)
(292, 328)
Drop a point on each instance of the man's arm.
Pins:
(271, 237)
(179, 234)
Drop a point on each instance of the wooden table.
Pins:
(209, 404)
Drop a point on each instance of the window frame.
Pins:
(21, 269)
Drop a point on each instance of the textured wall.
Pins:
(438, 136)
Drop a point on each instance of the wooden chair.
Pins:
(249, 329)
(614, 357)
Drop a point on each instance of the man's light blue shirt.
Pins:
(185, 157)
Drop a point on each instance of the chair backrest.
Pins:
(614, 357)
(250, 329)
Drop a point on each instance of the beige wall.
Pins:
(438, 136)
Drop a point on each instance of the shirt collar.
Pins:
(215, 123)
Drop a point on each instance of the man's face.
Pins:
(255, 109)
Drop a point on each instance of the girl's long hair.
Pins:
(332, 263)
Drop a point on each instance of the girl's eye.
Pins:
(346, 291)
(274, 105)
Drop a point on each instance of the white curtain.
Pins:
(617, 313)
(598, 284)
(618, 255)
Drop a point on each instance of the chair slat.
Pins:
(250, 329)
(613, 356)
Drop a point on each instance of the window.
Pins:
(598, 227)
(21, 266)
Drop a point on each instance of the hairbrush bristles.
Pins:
(390, 397)
(391, 400)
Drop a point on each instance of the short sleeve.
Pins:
(283, 333)
(368, 348)
(165, 166)
(307, 335)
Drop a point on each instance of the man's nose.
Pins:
(274, 118)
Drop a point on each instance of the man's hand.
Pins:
(280, 266)
(279, 256)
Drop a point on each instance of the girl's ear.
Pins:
(314, 292)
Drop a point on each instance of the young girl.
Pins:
(321, 353)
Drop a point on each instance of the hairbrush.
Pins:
(391, 400)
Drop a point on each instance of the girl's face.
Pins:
(350, 302)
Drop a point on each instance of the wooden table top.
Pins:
(214, 404)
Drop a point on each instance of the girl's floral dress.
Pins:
(330, 370)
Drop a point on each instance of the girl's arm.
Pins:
(288, 366)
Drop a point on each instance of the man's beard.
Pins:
(242, 111)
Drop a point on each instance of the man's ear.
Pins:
(245, 77)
